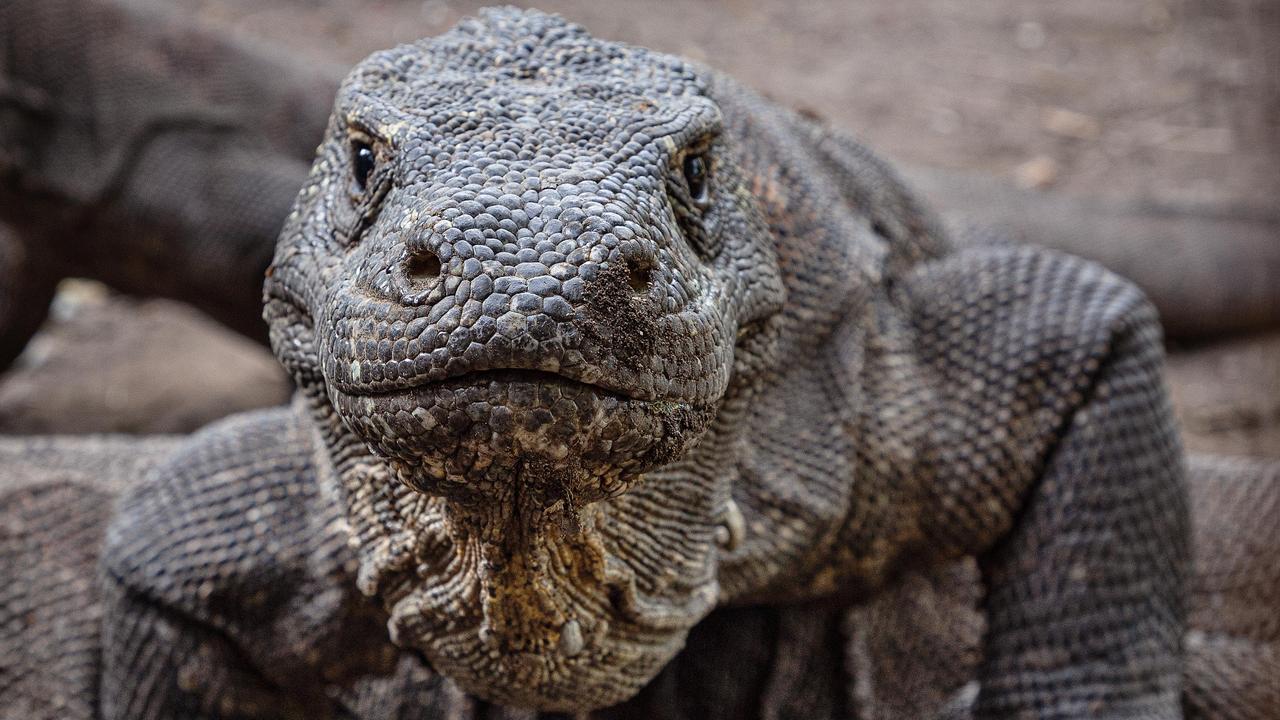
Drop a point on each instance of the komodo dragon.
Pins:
(591, 341)
(159, 153)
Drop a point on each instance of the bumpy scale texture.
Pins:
(591, 341)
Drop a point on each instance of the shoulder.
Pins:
(1019, 305)
(55, 501)
(984, 358)
(229, 512)
(234, 540)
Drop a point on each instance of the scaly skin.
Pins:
(564, 390)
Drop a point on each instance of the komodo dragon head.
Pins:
(525, 278)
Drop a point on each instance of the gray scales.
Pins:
(599, 354)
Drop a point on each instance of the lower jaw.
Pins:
(540, 442)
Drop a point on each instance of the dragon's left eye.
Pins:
(362, 162)
(695, 177)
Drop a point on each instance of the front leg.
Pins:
(226, 585)
(1086, 593)
(159, 664)
(1053, 456)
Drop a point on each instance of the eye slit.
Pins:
(362, 162)
(695, 177)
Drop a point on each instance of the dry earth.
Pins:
(1171, 101)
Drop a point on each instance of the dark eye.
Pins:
(695, 177)
(362, 162)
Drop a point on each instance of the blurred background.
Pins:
(1141, 133)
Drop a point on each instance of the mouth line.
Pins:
(475, 378)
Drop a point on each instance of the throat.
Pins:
(525, 580)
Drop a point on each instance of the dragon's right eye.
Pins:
(362, 162)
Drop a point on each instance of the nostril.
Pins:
(639, 278)
(422, 267)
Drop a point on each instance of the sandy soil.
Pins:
(1171, 101)
(1228, 396)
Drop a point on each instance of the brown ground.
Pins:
(1173, 103)
(1228, 396)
